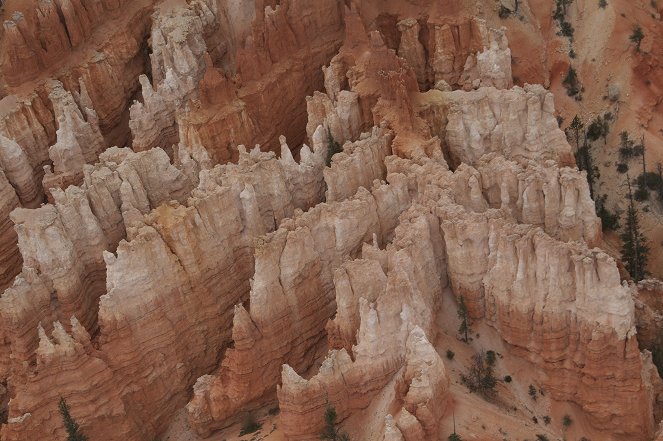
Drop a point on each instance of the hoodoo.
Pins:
(367, 220)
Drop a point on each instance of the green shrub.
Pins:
(480, 377)
(641, 194)
(622, 167)
(609, 220)
(331, 432)
(637, 36)
(532, 392)
(566, 29)
(541, 437)
(450, 354)
(71, 426)
(567, 421)
(571, 82)
(651, 180)
(454, 437)
(546, 419)
(491, 358)
(508, 379)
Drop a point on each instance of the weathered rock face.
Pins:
(49, 32)
(162, 279)
(79, 140)
(521, 280)
(61, 39)
(517, 123)
(649, 313)
(393, 325)
(239, 93)
(168, 231)
(291, 299)
(11, 260)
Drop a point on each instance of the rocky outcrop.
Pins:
(200, 240)
(291, 299)
(61, 356)
(603, 318)
(555, 198)
(10, 260)
(393, 324)
(18, 171)
(234, 95)
(517, 123)
(649, 313)
(358, 165)
(490, 67)
(161, 279)
(100, 77)
(178, 65)
(79, 140)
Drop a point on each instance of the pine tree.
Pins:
(331, 432)
(634, 249)
(480, 377)
(586, 163)
(464, 327)
(637, 36)
(72, 427)
(576, 126)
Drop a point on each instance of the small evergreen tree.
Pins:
(532, 391)
(634, 249)
(609, 220)
(331, 432)
(571, 82)
(480, 377)
(72, 427)
(585, 162)
(637, 36)
(464, 329)
(626, 146)
(576, 127)
(454, 437)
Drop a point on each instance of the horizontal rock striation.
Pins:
(169, 226)
(41, 36)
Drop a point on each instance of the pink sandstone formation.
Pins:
(208, 208)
